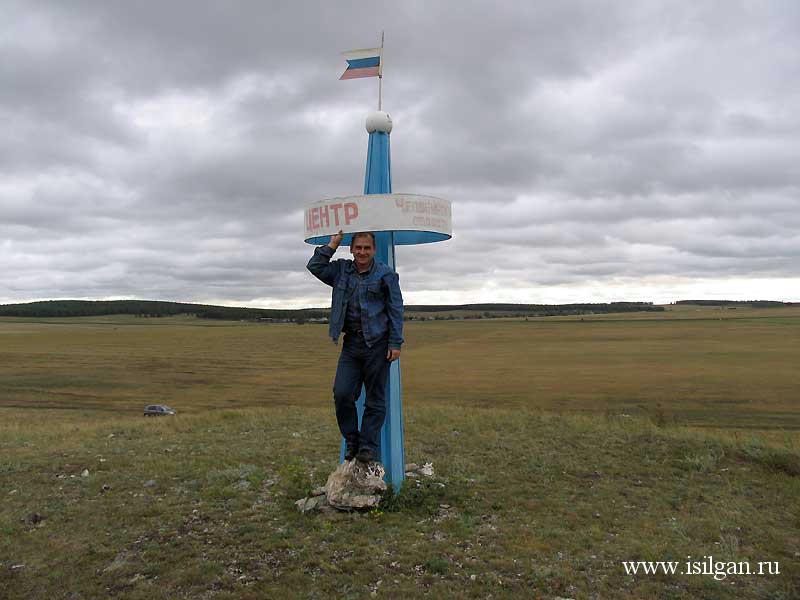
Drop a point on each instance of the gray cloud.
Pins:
(590, 149)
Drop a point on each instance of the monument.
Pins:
(396, 219)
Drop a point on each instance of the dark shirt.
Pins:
(352, 315)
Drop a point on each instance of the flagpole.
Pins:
(380, 75)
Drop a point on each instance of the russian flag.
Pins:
(362, 63)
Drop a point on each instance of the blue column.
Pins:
(378, 180)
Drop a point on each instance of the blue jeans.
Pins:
(359, 364)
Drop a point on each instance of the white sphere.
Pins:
(379, 121)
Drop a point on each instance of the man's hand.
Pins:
(392, 355)
(336, 240)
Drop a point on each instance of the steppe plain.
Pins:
(562, 447)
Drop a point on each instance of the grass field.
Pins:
(562, 446)
(693, 366)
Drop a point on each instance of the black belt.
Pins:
(358, 332)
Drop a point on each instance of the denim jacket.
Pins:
(379, 296)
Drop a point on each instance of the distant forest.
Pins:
(751, 303)
(155, 309)
(151, 308)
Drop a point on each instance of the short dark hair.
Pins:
(364, 234)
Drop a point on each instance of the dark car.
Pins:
(157, 410)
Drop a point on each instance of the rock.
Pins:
(412, 467)
(355, 485)
(106, 488)
(444, 513)
(120, 560)
(319, 491)
(33, 518)
(427, 470)
(150, 483)
(85, 473)
(313, 503)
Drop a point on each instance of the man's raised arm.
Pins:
(320, 264)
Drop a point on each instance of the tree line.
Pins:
(543, 310)
(154, 308)
(753, 303)
(150, 308)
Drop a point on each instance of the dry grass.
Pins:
(538, 504)
(737, 372)
(524, 505)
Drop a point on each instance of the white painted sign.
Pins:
(412, 213)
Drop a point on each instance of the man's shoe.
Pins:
(350, 451)
(365, 455)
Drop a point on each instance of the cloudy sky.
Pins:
(593, 151)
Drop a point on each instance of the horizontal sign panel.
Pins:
(413, 219)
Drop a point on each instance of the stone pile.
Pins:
(355, 486)
(351, 486)
(413, 470)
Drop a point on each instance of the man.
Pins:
(368, 306)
